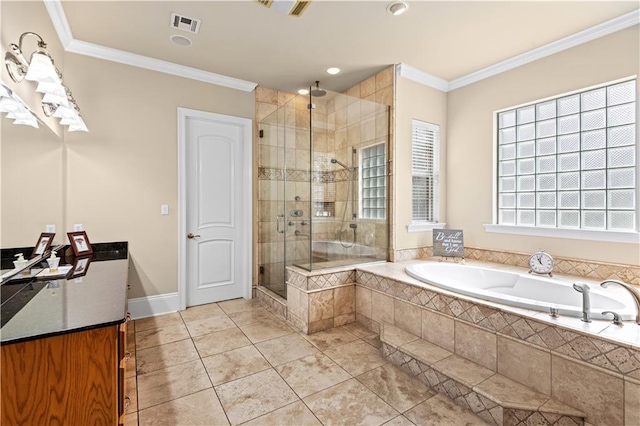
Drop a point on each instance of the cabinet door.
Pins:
(69, 379)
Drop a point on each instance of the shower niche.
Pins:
(323, 198)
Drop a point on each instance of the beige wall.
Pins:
(419, 102)
(126, 166)
(32, 159)
(470, 139)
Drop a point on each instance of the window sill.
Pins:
(575, 234)
(423, 227)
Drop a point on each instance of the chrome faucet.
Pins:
(635, 293)
(586, 301)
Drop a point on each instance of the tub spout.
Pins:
(586, 301)
(635, 293)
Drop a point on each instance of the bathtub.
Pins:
(520, 290)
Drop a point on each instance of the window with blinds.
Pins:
(425, 169)
(570, 162)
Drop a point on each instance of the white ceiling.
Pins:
(242, 39)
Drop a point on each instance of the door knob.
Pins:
(191, 236)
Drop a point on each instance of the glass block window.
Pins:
(570, 162)
(373, 187)
(425, 168)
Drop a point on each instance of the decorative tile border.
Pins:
(583, 268)
(298, 175)
(274, 305)
(592, 350)
(319, 281)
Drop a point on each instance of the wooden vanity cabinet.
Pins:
(75, 378)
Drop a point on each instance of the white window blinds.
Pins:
(425, 169)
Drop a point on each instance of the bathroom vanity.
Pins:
(64, 342)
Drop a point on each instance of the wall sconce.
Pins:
(15, 109)
(41, 69)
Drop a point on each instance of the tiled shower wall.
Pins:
(357, 119)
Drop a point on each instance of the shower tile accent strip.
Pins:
(583, 268)
(574, 360)
(489, 395)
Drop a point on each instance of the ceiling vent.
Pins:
(287, 7)
(183, 23)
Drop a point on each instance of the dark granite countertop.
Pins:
(34, 307)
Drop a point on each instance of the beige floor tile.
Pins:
(163, 356)
(209, 325)
(161, 336)
(195, 313)
(312, 374)
(171, 383)
(358, 330)
(399, 421)
(252, 396)
(350, 403)
(260, 331)
(220, 341)
(234, 364)
(441, 411)
(286, 348)
(324, 340)
(158, 322)
(396, 387)
(237, 305)
(131, 419)
(201, 408)
(356, 357)
(296, 414)
(250, 316)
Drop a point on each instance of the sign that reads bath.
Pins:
(448, 243)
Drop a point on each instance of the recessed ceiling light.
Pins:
(303, 91)
(397, 8)
(333, 70)
(180, 40)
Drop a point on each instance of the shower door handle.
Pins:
(278, 217)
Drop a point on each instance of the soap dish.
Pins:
(61, 272)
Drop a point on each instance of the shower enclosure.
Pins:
(323, 185)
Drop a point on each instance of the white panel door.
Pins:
(216, 266)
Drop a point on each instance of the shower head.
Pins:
(317, 91)
(334, 161)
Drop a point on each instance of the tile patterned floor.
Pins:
(233, 363)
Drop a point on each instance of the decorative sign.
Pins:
(448, 243)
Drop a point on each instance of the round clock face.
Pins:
(541, 263)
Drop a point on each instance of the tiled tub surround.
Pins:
(593, 367)
(580, 267)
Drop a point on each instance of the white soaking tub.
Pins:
(520, 290)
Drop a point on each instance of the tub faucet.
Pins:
(635, 293)
(586, 301)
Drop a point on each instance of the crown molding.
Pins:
(61, 25)
(120, 56)
(59, 21)
(412, 73)
(616, 24)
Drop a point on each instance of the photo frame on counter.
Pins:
(80, 267)
(43, 244)
(80, 243)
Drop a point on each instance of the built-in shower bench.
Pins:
(490, 395)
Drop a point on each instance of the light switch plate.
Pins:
(164, 209)
(51, 229)
(77, 227)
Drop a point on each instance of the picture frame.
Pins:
(80, 267)
(80, 243)
(44, 243)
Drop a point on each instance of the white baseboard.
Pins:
(150, 306)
